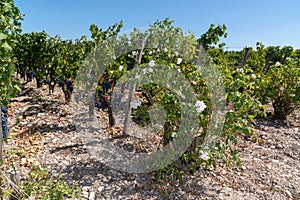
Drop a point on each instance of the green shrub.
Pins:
(42, 186)
(281, 86)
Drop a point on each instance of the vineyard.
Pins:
(246, 101)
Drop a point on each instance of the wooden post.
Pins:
(201, 49)
(131, 93)
(243, 63)
(271, 55)
(284, 58)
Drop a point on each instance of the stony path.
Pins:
(270, 169)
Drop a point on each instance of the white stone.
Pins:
(92, 196)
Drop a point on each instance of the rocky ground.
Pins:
(45, 134)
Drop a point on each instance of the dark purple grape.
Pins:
(4, 119)
(69, 85)
(71, 89)
(61, 84)
(57, 80)
(106, 86)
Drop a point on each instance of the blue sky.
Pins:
(272, 22)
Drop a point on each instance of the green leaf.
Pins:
(6, 46)
(2, 36)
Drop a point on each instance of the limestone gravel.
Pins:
(269, 170)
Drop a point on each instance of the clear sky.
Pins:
(272, 22)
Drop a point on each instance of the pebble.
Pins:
(85, 194)
(100, 189)
(279, 146)
(92, 196)
(289, 193)
(85, 188)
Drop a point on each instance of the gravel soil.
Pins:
(46, 135)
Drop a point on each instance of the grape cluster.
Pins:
(101, 100)
(4, 119)
(103, 95)
(67, 83)
(29, 75)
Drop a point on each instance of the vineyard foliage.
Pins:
(10, 26)
(266, 75)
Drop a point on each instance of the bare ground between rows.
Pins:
(46, 135)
